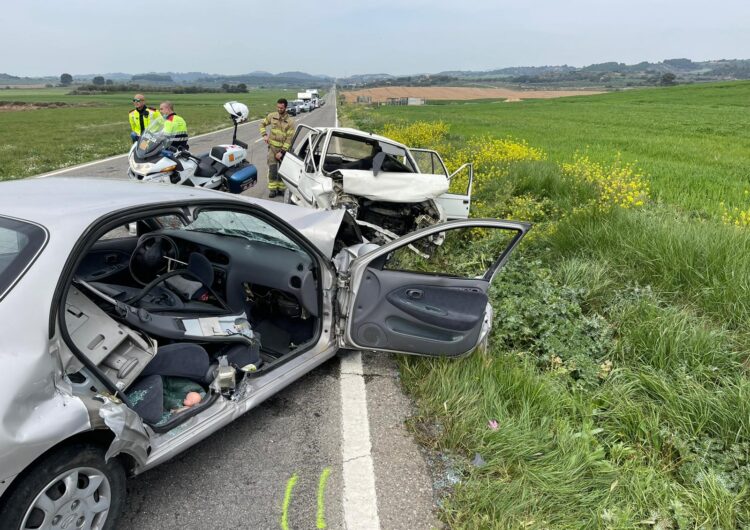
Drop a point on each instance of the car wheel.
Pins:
(287, 196)
(71, 488)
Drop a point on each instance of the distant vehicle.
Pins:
(293, 108)
(304, 106)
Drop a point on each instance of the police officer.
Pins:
(277, 130)
(140, 117)
(174, 125)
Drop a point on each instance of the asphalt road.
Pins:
(282, 465)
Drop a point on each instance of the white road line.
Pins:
(360, 496)
(87, 164)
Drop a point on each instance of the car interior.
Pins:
(349, 152)
(228, 288)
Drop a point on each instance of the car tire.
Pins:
(287, 196)
(44, 496)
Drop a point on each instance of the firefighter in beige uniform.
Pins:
(277, 130)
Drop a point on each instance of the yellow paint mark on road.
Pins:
(287, 500)
(321, 520)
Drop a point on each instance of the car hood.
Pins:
(319, 226)
(393, 187)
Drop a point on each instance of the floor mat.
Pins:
(273, 339)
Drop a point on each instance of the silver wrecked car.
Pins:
(138, 319)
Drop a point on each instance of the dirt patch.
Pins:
(11, 106)
(382, 94)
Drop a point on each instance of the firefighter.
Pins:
(140, 117)
(174, 125)
(277, 130)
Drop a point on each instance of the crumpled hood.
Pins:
(393, 187)
(319, 226)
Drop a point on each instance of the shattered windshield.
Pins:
(238, 224)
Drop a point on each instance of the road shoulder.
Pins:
(402, 477)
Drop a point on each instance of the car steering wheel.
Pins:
(149, 258)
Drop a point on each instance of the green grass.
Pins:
(617, 371)
(693, 141)
(93, 127)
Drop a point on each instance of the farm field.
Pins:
(45, 129)
(693, 142)
(381, 94)
(615, 391)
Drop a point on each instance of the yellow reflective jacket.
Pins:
(281, 130)
(176, 127)
(134, 117)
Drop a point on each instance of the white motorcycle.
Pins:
(154, 158)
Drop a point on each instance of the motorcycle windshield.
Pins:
(153, 140)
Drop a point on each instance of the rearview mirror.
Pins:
(377, 163)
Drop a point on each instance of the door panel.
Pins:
(108, 258)
(434, 302)
(293, 164)
(436, 317)
(458, 205)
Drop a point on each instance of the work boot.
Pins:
(272, 194)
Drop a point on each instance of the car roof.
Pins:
(68, 205)
(45, 200)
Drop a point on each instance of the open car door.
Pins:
(455, 205)
(437, 304)
(293, 164)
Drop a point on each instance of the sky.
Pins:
(347, 37)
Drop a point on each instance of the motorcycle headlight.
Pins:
(142, 169)
(158, 178)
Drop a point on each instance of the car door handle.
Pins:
(415, 294)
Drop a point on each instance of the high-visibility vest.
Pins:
(134, 117)
(281, 130)
(176, 127)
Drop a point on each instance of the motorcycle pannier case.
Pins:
(240, 178)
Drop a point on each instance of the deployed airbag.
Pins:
(394, 187)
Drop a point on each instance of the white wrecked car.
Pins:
(389, 188)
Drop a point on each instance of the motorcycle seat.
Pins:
(207, 167)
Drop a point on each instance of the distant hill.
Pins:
(606, 75)
(13, 80)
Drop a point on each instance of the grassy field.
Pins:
(693, 141)
(38, 139)
(615, 393)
